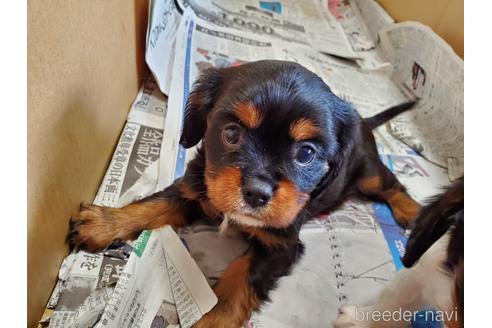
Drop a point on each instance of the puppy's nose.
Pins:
(257, 193)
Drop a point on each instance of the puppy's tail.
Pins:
(388, 114)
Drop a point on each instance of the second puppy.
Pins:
(435, 278)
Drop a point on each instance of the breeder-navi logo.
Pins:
(405, 315)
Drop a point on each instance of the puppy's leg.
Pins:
(380, 183)
(237, 299)
(246, 283)
(94, 227)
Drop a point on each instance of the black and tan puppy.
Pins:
(278, 147)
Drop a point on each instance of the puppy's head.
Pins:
(271, 130)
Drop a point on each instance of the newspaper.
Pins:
(161, 36)
(85, 285)
(374, 17)
(429, 68)
(370, 92)
(157, 285)
(310, 22)
(356, 263)
(201, 45)
(422, 178)
(160, 276)
(133, 170)
(363, 43)
(336, 24)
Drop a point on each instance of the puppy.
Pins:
(278, 147)
(436, 280)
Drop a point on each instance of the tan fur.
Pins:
(98, 226)
(370, 185)
(236, 298)
(303, 129)
(285, 205)
(249, 115)
(404, 208)
(224, 191)
(224, 187)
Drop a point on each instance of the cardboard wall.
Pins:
(445, 17)
(85, 59)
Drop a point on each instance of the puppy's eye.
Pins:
(305, 154)
(231, 134)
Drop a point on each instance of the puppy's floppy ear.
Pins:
(345, 121)
(342, 120)
(199, 103)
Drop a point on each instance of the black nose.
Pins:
(257, 193)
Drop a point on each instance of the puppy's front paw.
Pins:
(93, 228)
(347, 318)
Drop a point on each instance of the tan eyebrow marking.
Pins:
(249, 115)
(303, 129)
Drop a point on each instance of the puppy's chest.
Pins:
(213, 214)
(265, 236)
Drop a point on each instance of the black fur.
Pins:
(443, 212)
(381, 118)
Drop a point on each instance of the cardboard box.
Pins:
(85, 64)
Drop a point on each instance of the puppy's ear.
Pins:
(345, 121)
(199, 103)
